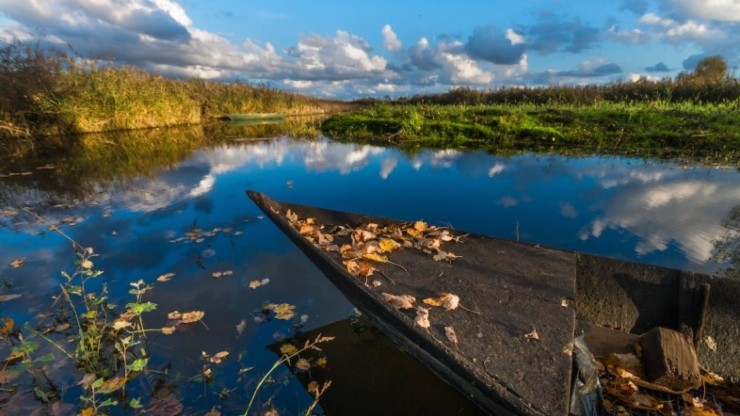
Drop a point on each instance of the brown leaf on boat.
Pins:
(359, 268)
(399, 302)
(387, 245)
(446, 300)
(376, 257)
(451, 335)
(421, 226)
(422, 317)
(532, 336)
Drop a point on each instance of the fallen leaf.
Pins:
(7, 327)
(376, 283)
(359, 268)
(375, 257)
(421, 226)
(450, 301)
(218, 357)
(434, 301)
(532, 336)
(120, 324)
(241, 326)
(451, 335)
(174, 315)
(399, 302)
(16, 263)
(111, 385)
(386, 244)
(166, 406)
(190, 317)
(711, 343)
(168, 330)
(303, 364)
(288, 349)
(282, 311)
(165, 277)
(7, 376)
(216, 274)
(422, 317)
(5, 298)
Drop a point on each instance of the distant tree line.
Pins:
(710, 82)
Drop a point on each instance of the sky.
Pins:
(350, 49)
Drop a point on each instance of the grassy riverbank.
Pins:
(54, 93)
(681, 130)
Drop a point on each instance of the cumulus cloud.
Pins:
(722, 10)
(423, 57)
(390, 40)
(553, 34)
(494, 45)
(659, 67)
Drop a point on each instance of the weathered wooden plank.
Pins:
(511, 289)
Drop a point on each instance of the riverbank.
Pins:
(49, 93)
(684, 130)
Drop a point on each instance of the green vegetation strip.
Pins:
(683, 130)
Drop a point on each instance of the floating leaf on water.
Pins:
(451, 335)
(284, 311)
(7, 376)
(241, 326)
(10, 296)
(216, 274)
(227, 272)
(165, 277)
(399, 302)
(168, 330)
(166, 406)
(303, 364)
(422, 317)
(174, 315)
(7, 327)
(190, 317)
(111, 385)
(16, 263)
(218, 357)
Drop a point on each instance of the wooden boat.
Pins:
(254, 117)
(520, 306)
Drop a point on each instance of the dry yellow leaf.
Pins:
(386, 244)
(174, 315)
(282, 311)
(88, 411)
(422, 317)
(165, 277)
(190, 317)
(433, 301)
(420, 226)
(399, 302)
(16, 263)
(288, 349)
(359, 268)
(451, 335)
(450, 301)
(532, 336)
(120, 324)
(303, 364)
(375, 257)
(168, 330)
(218, 357)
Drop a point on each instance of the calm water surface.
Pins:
(649, 211)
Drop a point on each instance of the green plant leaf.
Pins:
(138, 365)
(108, 402)
(46, 358)
(41, 395)
(135, 403)
(139, 308)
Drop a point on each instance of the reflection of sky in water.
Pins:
(658, 213)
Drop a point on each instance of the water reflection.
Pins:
(655, 212)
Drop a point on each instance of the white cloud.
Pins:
(514, 38)
(722, 10)
(390, 40)
(463, 70)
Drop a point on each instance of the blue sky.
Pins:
(350, 49)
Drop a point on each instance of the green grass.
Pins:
(682, 130)
(54, 93)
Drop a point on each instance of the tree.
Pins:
(711, 69)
